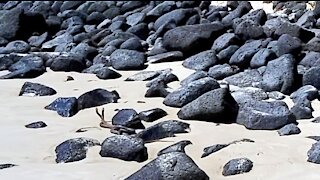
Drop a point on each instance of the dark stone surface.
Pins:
(166, 57)
(97, 97)
(237, 166)
(222, 71)
(176, 147)
(193, 77)
(214, 106)
(190, 92)
(212, 149)
(124, 147)
(102, 71)
(262, 57)
(4, 166)
(123, 59)
(152, 114)
(311, 77)
(163, 129)
(163, 168)
(65, 107)
(314, 153)
(289, 129)
(74, 149)
(128, 118)
(280, 75)
(36, 89)
(36, 125)
(224, 41)
(201, 61)
(247, 78)
(263, 115)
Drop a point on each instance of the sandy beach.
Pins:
(33, 150)
(274, 157)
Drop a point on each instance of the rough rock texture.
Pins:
(214, 106)
(65, 106)
(163, 168)
(237, 166)
(125, 148)
(36, 89)
(74, 149)
(289, 130)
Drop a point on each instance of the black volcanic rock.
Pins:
(36, 89)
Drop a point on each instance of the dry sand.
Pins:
(274, 157)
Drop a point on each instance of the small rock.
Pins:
(157, 90)
(276, 95)
(288, 45)
(36, 89)
(102, 71)
(222, 71)
(224, 41)
(124, 147)
(289, 129)
(17, 46)
(152, 114)
(311, 77)
(237, 166)
(314, 153)
(36, 125)
(193, 77)
(212, 149)
(262, 57)
(247, 78)
(128, 118)
(316, 120)
(4, 166)
(74, 149)
(143, 76)
(65, 107)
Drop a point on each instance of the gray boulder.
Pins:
(247, 78)
(314, 153)
(36, 89)
(280, 75)
(201, 61)
(193, 77)
(163, 168)
(74, 149)
(262, 57)
(124, 147)
(214, 106)
(102, 71)
(311, 77)
(224, 41)
(190, 92)
(289, 129)
(123, 59)
(221, 71)
(264, 115)
(65, 107)
(237, 166)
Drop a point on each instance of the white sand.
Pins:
(274, 157)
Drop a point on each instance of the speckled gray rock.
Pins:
(307, 91)
(264, 115)
(224, 41)
(163, 129)
(262, 57)
(201, 61)
(280, 75)
(194, 76)
(237, 166)
(157, 89)
(311, 77)
(143, 76)
(166, 57)
(247, 78)
(190, 92)
(65, 106)
(214, 106)
(36, 89)
(289, 129)
(102, 71)
(314, 153)
(221, 71)
(171, 166)
(74, 149)
(17, 46)
(123, 59)
(124, 147)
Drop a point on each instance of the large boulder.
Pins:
(27, 67)
(190, 92)
(280, 75)
(67, 63)
(247, 78)
(124, 147)
(214, 106)
(263, 115)
(97, 97)
(74, 149)
(123, 59)
(311, 77)
(191, 39)
(201, 61)
(163, 168)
